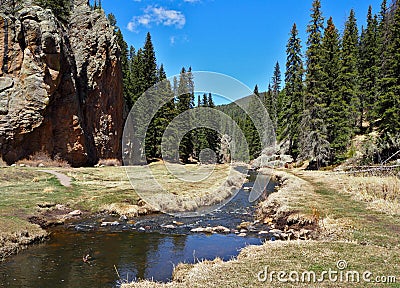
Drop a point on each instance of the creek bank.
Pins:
(277, 212)
(13, 240)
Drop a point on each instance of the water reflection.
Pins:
(136, 256)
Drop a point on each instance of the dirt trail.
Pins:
(64, 179)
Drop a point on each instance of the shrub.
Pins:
(43, 159)
(109, 162)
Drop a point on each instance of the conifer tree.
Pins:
(149, 63)
(276, 88)
(185, 99)
(213, 137)
(60, 8)
(314, 140)
(389, 100)
(126, 73)
(383, 38)
(164, 115)
(112, 20)
(255, 92)
(292, 104)
(369, 69)
(336, 121)
(249, 129)
(348, 74)
(268, 100)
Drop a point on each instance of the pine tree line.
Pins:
(140, 73)
(345, 85)
(60, 8)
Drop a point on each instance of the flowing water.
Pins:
(145, 249)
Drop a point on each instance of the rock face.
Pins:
(60, 85)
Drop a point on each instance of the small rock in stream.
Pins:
(75, 213)
(244, 225)
(221, 229)
(169, 227)
(115, 223)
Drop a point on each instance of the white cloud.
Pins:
(191, 1)
(159, 16)
(178, 39)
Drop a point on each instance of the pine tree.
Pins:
(389, 100)
(267, 100)
(383, 38)
(348, 74)
(185, 101)
(338, 125)
(149, 63)
(292, 104)
(146, 69)
(164, 115)
(199, 134)
(112, 20)
(314, 140)
(249, 128)
(126, 73)
(255, 92)
(137, 76)
(60, 8)
(213, 137)
(276, 88)
(369, 69)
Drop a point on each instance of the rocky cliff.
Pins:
(60, 85)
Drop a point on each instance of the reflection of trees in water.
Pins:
(179, 243)
(137, 255)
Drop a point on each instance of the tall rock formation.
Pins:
(60, 85)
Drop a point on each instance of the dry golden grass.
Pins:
(366, 239)
(109, 162)
(128, 210)
(16, 234)
(283, 256)
(182, 188)
(292, 192)
(94, 190)
(381, 193)
(44, 160)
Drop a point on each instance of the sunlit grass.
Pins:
(367, 239)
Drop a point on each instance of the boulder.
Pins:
(221, 229)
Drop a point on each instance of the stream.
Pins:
(147, 248)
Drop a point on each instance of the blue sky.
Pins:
(240, 38)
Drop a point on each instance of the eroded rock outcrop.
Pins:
(60, 85)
